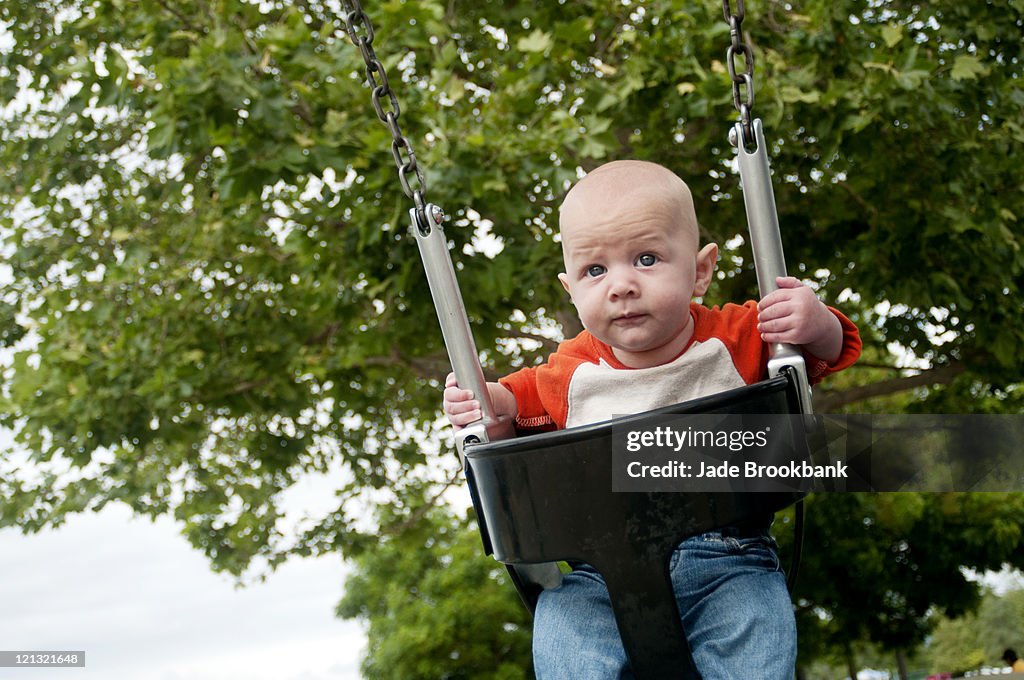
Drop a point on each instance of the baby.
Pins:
(633, 265)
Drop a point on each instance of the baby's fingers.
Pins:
(467, 418)
(461, 413)
(774, 299)
(456, 395)
(788, 282)
(773, 308)
(460, 407)
(779, 324)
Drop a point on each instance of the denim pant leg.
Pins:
(574, 631)
(735, 607)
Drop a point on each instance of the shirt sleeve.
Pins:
(541, 392)
(818, 368)
(531, 415)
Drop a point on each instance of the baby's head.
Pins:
(632, 261)
(629, 187)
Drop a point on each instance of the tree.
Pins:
(882, 567)
(209, 295)
(978, 639)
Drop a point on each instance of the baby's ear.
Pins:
(563, 278)
(706, 259)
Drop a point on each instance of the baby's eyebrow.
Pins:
(651, 236)
(587, 249)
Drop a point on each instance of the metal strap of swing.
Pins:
(433, 246)
(747, 136)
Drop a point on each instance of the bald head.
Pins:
(619, 188)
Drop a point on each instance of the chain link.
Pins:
(742, 82)
(360, 32)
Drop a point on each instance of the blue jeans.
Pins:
(735, 607)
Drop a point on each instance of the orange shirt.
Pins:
(582, 381)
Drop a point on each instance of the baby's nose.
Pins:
(622, 284)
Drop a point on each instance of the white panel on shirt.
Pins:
(598, 391)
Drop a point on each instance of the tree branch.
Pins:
(547, 343)
(246, 386)
(858, 199)
(433, 367)
(571, 324)
(869, 364)
(181, 17)
(323, 336)
(938, 375)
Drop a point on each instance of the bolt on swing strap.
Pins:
(360, 32)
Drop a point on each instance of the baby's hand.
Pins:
(793, 314)
(459, 405)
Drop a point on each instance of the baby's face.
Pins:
(632, 267)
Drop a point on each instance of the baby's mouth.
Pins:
(629, 318)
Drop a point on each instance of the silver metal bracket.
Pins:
(458, 336)
(470, 436)
(782, 364)
(766, 243)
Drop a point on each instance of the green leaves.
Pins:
(892, 34)
(968, 67)
(898, 559)
(537, 41)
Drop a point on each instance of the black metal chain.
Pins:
(742, 83)
(360, 32)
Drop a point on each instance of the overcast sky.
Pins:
(144, 605)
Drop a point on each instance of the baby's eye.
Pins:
(595, 270)
(647, 260)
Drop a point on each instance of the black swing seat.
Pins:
(548, 497)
